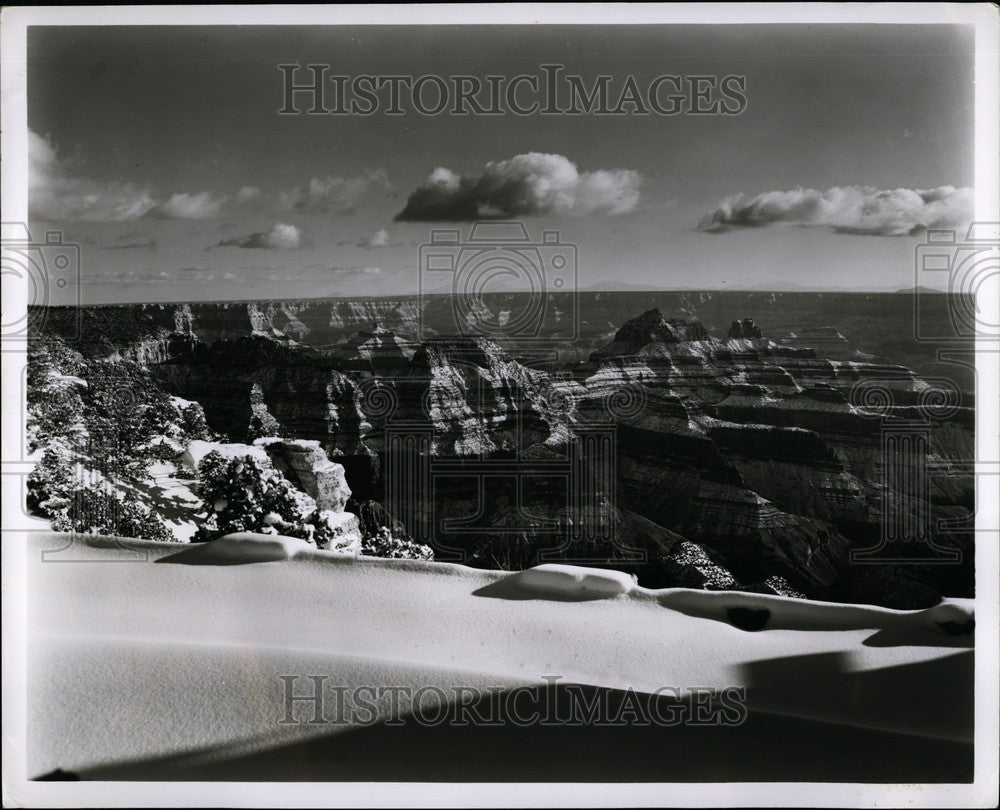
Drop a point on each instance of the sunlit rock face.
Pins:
(307, 465)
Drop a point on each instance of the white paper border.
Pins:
(982, 793)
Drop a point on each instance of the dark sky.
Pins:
(158, 144)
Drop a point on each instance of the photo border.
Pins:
(982, 792)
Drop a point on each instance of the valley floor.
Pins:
(161, 661)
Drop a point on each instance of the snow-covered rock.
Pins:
(198, 449)
(338, 531)
(574, 581)
(306, 463)
(254, 547)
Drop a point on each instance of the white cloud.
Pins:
(248, 194)
(280, 237)
(334, 194)
(352, 270)
(58, 193)
(54, 194)
(849, 209)
(526, 185)
(202, 205)
(379, 238)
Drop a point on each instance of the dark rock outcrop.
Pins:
(745, 328)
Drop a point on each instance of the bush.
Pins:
(247, 495)
(383, 544)
(96, 510)
(52, 480)
(126, 410)
(55, 404)
(193, 424)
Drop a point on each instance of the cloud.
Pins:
(349, 270)
(202, 205)
(375, 240)
(149, 244)
(340, 195)
(57, 193)
(280, 237)
(525, 185)
(849, 209)
(248, 194)
(54, 194)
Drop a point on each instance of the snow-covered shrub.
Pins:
(52, 480)
(97, 509)
(55, 403)
(193, 424)
(247, 495)
(384, 544)
(126, 410)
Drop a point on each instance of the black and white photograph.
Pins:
(540, 405)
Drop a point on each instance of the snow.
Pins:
(179, 403)
(247, 547)
(573, 581)
(175, 668)
(198, 449)
(806, 614)
(56, 378)
(169, 491)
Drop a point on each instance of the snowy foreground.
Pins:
(164, 661)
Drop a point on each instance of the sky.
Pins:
(160, 151)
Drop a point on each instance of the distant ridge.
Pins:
(602, 287)
(625, 286)
(921, 289)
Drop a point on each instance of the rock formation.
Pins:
(745, 328)
(307, 466)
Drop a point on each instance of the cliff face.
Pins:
(314, 323)
(766, 452)
(845, 326)
(686, 449)
(255, 386)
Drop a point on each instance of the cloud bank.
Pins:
(849, 209)
(54, 194)
(191, 206)
(526, 185)
(280, 237)
(341, 195)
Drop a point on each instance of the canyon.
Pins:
(767, 442)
